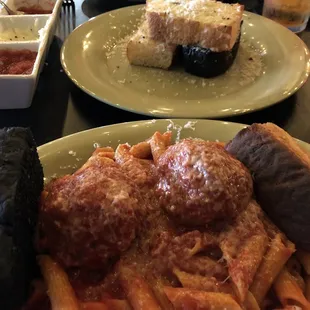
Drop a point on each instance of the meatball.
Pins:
(89, 217)
(200, 182)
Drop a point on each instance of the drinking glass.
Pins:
(293, 14)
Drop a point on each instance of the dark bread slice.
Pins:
(281, 173)
(205, 63)
(21, 183)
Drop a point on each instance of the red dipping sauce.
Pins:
(35, 9)
(17, 62)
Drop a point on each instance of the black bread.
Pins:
(281, 173)
(205, 63)
(21, 183)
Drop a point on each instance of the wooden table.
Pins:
(59, 108)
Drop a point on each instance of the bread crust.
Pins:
(143, 51)
(183, 29)
(281, 173)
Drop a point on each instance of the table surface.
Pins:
(59, 108)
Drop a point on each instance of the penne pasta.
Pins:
(94, 306)
(158, 145)
(158, 289)
(304, 258)
(300, 281)
(183, 298)
(122, 153)
(307, 289)
(290, 308)
(288, 290)
(221, 144)
(137, 291)
(141, 150)
(117, 304)
(294, 268)
(243, 245)
(59, 289)
(99, 156)
(250, 302)
(203, 283)
(104, 152)
(167, 136)
(276, 257)
(205, 266)
(242, 270)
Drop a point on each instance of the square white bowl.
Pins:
(17, 90)
(44, 4)
(15, 26)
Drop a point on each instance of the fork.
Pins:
(67, 18)
(68, 3)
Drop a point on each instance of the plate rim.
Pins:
(41, 148)
(44, 148)
(304, 75)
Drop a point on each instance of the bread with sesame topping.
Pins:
(207, 23)
(143, 51)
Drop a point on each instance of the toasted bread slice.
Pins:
(281, 172)
(143, 51)
(207, 23)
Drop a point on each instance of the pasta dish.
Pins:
(159, 225)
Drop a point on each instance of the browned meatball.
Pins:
(89, 217)
(200, 182)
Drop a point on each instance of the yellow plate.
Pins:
(64, 156)
(272, 64)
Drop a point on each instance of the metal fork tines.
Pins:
(67, 18)
(66, 3)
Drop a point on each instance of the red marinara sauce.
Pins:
(35, 9)
(17, 61)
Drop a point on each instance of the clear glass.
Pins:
(293, 14)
